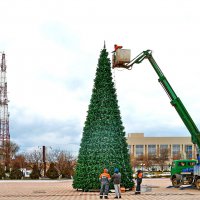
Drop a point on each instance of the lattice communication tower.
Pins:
(4, 116)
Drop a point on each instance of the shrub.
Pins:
(35, 174)
(2, 172)
(16, 173)
(52, 172)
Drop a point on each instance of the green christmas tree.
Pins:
(103, 144)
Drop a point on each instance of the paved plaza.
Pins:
(62, 190)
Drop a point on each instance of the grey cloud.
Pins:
(39, 132)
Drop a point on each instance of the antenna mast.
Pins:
(4, 116)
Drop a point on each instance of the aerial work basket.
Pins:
(121, 56)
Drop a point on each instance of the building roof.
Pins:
(139, 138)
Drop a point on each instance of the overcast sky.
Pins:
(52, 49)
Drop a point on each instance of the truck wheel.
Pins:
(175, 183)
(198, 184)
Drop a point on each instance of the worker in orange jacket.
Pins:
(139, 181)
(105, 180)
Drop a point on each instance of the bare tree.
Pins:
(34, 158)
(162, 158)
(150, 160)
(64, 162)
(8, 153)
(20, 160)
(177, 156)
(14, 148)
(143, 161)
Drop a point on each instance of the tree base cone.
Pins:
(133, 188)
(123, 189)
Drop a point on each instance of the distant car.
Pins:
(148, 175)
(165, 174)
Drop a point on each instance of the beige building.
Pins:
(176, 147)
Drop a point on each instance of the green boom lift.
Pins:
(121, 59)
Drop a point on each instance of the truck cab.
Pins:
(182, 172)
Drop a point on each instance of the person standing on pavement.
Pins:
(116, 177)
(105, 180)
(139, 181)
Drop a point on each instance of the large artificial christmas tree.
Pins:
(103, 144)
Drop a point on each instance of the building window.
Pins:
(139, 150)
(164, 147)
(164, 151)
(129, 149)
(188, 151)
(151, 149)
(182, 164)
(176, 149)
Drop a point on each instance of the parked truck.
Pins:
(182, 171)
(185, 172)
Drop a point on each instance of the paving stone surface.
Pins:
(155, 189)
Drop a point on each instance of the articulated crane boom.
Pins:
(121, 58)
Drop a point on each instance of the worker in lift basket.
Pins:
(139, 181)
(105, 180)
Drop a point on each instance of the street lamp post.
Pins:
(44, 159)
(142, 165)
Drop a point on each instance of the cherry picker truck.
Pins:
(183, 172)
